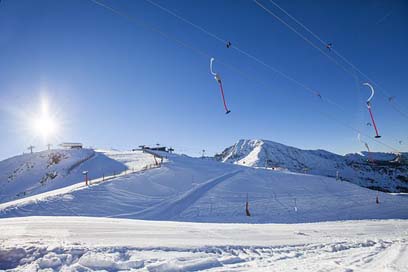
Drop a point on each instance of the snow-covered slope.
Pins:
(102, 244)
(204, 190)
(31, 174)
(381, 171)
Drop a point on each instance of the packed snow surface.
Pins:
(103, 244)
(204, 190)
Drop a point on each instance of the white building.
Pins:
(71, 145)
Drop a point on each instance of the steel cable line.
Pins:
(186, 21)
(224, 41)
(316, 93)
(199, 51)
(150, 27)
(202, 53)
(358, 131)
(384, 92)
(344, 59)
(301, 35)
(172, 38)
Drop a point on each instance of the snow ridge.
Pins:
(380, 171)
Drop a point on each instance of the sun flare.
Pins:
(44, 124)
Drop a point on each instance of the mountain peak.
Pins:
(382, 171)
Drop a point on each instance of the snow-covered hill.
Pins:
(31, 174)
(380, 171)
(103, 244)
(204, 190)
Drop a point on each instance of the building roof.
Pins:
(71, 144)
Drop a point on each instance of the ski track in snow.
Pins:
(171, 209)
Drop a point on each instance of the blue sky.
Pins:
(114, 84)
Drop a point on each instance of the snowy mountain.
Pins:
(386, 172)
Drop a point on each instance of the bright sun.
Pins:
(44, 125)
